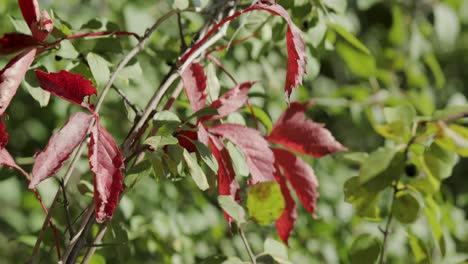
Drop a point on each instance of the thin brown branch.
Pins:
(386, 231)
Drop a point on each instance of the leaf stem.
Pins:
(246, 244)
(386, 231)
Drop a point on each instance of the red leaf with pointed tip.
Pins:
(295, 43)
(30, 10)
(194, 80)
(14, 42)
(285, 223)
(258, 155)
(7, 160)
(43, 27)
(231, 100)
(297, 61)
(3, 135)
(61, 145)
(227, 184)
(294, 131)
(105, 160)
(301, 176)
(12, 75)
(71, 87)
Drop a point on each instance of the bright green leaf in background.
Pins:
(265, 202)
(364, 249)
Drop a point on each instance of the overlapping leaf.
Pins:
(13, 42)
(194, 80)
(60, 147)
(258, 155)
(296, 47)
(71, 87)
(12, 75)
(40, 24)
(301, 176)
(292, 130)
(3, 135)
(105, 160)
(227, 184)
(232, 100)
(285, 223)
(5, 158)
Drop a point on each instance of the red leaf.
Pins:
(255, 148)
(12, 75)
(61, 145)
(3, 135)
(295, 44)
(227, 184)
(184, 137)
(30, 10)
(43, 27)
(231, 100)
(292, 130)
(7, 160)
(301, 176)
(14, 42)
(297, 60)
(40, 24)
(285, 223)
(194, 80)
(105, 160)
(71, 87)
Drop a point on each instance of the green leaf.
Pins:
(261, 116)
(238, 160)
(276, 249)
(364, 250)
(212, 82)
(180, 4)
(137, 172)
(67, 50)
(363, 199)
(195, 171)
(398, 31)
(431, 211)
(377, 162)
(405, 207)
(265, 202)
(439, 162)
(356, 157)
(20, 25)
(206, 155)
(350, 38)
(420, 253)
(207, 111)
(431, 61)
(338, 5)
(99, 68)
(159, 170)
(232, 208)
(160, 141)
(359, 63)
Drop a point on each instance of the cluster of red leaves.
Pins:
(292, 131)
(104, 156)
(105, 159)
(294, 42)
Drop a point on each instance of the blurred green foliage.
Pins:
(377, 98)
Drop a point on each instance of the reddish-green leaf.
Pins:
(255, 148)
(12, 75)
(285, 223)
(301, 176)
(194, 80)
(105, 160)
(294, 131)
(3, 135)
(40, 24)
(60, 147)
(232, 100)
